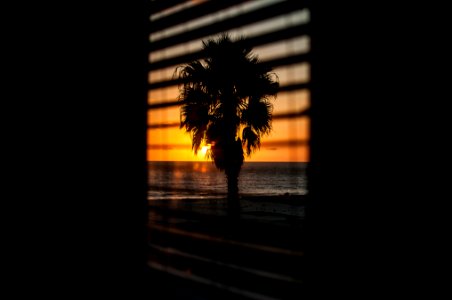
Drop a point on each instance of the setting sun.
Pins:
(204, 149)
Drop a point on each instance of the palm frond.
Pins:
(198, 136)
(195, 108)
(250, 140)
(194, 75)
(258, 115)
(194, 115)
(214, 133)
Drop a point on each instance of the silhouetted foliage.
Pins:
(225, 101)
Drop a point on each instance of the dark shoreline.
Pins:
(277, 199)
(285, 199)
(264, 206)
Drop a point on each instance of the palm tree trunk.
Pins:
(232, 176)
(233, 151)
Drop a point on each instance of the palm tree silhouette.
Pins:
(225, 101)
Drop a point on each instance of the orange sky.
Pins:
(173, 144)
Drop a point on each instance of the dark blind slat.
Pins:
(289, 115)
(284, 61)
(171, 103)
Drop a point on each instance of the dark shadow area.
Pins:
(78, 164)
(363, 219)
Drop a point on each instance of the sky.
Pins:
(287, 140)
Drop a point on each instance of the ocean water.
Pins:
(201, 180)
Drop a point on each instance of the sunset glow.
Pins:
(289, 139)
(204, 150)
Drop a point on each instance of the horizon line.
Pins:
(211, 161)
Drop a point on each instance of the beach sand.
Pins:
(260, 207)
(198, 251)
